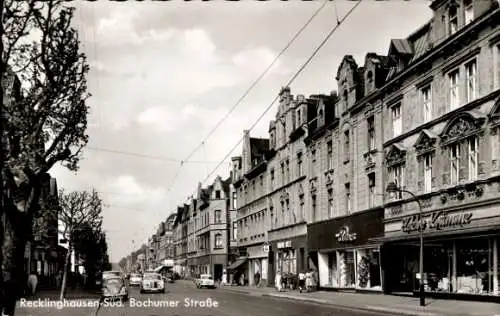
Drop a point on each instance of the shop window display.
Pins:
(368, 269)
(438, 263)
(347, 269)
(474, 266)
(286, 262)
(332, 269)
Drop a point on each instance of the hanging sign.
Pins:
(437, 221)
(345, 234)
(265, 248)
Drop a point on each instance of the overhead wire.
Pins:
(127, 153)
(247, 92)
(300, 70)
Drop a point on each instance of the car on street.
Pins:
(114, 287)
(205, 280)
(152, 282)
(113, 273)
(135, 279)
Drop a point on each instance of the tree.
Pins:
(90, 243)
(80, 210)
(44, 119)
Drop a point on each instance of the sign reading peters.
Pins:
(437, 221)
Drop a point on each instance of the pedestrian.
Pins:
(257, 278)
(302, 281)
(308, 281)
(33, 282)
(278, 281)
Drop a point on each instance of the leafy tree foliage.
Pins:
(43, 110)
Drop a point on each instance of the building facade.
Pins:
(212, 228)
(180, 241)
(249, 172)
(441, 107)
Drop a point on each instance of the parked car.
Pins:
(152, 282)
(135, 279)
(108, 274)
(205, 280)
(114, 287)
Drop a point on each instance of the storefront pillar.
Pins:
(495, 267)
(454, 265)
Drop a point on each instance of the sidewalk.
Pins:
(377, 302)
(71, 294)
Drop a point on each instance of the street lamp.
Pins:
(393, 187)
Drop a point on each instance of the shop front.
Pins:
(460, 250)
(257, 265)
(287, 255)
(345, 256)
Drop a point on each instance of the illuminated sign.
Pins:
(437, 221)
(345, 235)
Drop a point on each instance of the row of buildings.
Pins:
(424, 119)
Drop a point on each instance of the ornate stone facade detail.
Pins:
(425, 142)
(313, 185)
(369, 161)
(395, 155)
(329, 176)
(461, 126)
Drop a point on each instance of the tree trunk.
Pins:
(65, 273)
(14, 227)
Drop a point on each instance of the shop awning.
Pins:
(235, 265)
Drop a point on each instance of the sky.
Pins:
(164, 73)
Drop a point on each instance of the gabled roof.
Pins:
(400, 47)
(226, 184)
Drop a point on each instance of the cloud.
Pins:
(131, 192)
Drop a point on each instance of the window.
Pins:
(371, 190)
(371, 133)
(299, 164)
(397, 123)
(272, 178)
(425, 172)
(469, 11)
(329, 155)
(454, 78)
(261, 182)
(235, 230)
(346, 146)
(331, 212)
(454, 163)
(427, 103)
(313, 204)
(496, 66)
(313, 163)
(287, 170)
(369, 80)
(299, 119)
(346, 100)
(471, 80)
(218, 216)
(282, 173)
(348, 198)
(473, 156)
(218, 241)
(217, 194)
(453, 20)
(301, 206)
(396, 174)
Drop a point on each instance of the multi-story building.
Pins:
(424, 119)
(441, 109)
(345, 178)
(232, 223)
(180, 241)
(212, 228)
(252, 215)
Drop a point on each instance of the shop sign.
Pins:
(345, 235)
(437, 221)
(285, 244)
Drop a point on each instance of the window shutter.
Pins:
(420, 179)
(446, 165)
(463, 173)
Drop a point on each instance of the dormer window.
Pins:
(453, 19)
(369, 80)
(469, 11)
(345, 97)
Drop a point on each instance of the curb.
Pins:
(392, 311)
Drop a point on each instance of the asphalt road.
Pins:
(185, 299)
